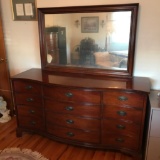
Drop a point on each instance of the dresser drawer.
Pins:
(31, 122)
(123, 113)
(72, 108)
(120, 127)
(120, 98)
(74, 134)
(72, 95)
(27, 87)
(28, 99)
(24, 110)
(73, 121)
(120, 141)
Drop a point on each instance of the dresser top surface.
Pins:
(135, 83)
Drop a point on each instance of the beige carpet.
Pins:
(20, 154)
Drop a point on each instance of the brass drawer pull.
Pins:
(69, 121)
(29, 100)
(122, 98)
(29, 87)
(121, 113)
(69, 108)
(70, 134)
(121, 140)
(119, 126)
(31, 111)
(69, 94)
(33, 123)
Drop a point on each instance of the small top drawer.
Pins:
(122, 98)
(26, 86)
(72, 95)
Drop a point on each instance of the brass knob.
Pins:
(121, 140)
(122, 98)
(69, 108)
(119, 126)
(69, 94)
(29, 87)
(69, 121)
(70, 134)
(121, 113)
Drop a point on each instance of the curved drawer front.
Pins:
(120, 98)
(120, 127)
(72, 95)
(31, 122)
(29, 111)
(120, 141)
(129, 114)
(72, 108)
(26, 86)
(74, 134)
(73, 121)
(28, 99)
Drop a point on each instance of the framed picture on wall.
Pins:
(89, 24)
(23, 10)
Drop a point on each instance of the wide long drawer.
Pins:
(72, 95)
(73, 121)
(128, 114)
(72, 108)
(28, 99)
(121, 98)
(120, 127)
(120, 141)
(74, 134)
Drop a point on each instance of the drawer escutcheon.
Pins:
(69, 121)
(121, 140)
(121, 113)
(69, 108)
(122, 98)
(70, 134)
(29, 99)
(29, 87)
(119, 126)
(69, 94)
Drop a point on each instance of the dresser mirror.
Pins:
(88, 40)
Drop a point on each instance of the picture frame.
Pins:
(24, 10)
(89, 24)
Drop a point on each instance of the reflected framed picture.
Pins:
(89, 24)
(23, 10)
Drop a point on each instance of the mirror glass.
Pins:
(97, 41)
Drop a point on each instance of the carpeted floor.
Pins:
(20, 154)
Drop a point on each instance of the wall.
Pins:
(22, 42)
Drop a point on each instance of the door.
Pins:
(5, 87)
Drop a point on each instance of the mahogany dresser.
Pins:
(106, 113)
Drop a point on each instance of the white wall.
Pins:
(22, 42)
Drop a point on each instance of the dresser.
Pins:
(153, 143)
(106, 113)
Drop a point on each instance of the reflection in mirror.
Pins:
(89, 40)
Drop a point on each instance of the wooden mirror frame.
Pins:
(133, 7)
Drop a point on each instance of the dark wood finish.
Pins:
(46, 147)
(5, 86)
(54, 110)
(86, 9)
